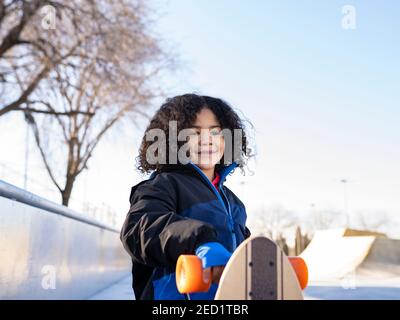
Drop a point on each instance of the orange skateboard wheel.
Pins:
(301, 270)
(190, 276)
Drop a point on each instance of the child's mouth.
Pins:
(206, 152)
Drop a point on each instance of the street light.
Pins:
(345, 201)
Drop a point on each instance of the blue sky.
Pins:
(324, 101)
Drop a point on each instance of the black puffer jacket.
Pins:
(172, 213)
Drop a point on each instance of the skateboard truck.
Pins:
(191, 277)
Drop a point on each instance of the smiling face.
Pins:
(206, 142)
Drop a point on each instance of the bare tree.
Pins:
(274, 220)
(38, 36)
(29, 50)
(108, 79)
(330, 218)
(373, 220)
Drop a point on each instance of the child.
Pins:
(184, 207)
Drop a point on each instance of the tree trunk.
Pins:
(66, 193)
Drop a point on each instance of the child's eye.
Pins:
(215, 132)
(194, 133)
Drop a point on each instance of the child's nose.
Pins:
(205, 137)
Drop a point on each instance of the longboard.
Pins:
(257, 270)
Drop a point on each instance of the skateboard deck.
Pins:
(257, 270)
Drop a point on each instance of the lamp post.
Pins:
(345, 202)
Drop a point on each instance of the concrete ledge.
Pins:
(48, 252)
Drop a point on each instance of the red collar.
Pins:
(216, 180)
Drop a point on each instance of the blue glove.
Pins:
(213, 254)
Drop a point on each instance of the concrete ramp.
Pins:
(333, 254)
(382, 261)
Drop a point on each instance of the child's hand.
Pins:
(216, 273)
(213, 254)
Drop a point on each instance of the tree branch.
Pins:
(32, 122)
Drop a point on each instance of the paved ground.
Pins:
(345, 290)
(365, 290)
(121, 290)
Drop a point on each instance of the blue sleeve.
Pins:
(213, 254)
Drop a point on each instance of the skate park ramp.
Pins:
(353, 264)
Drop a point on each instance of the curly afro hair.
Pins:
(184, 109)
